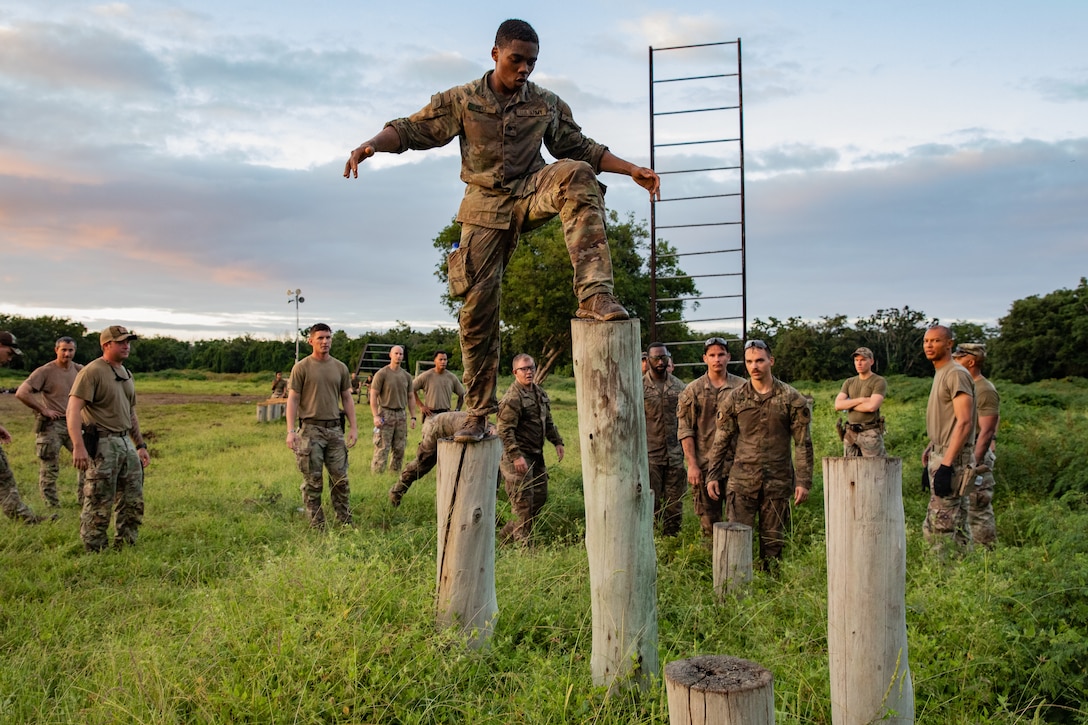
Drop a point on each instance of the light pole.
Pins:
(296, 297)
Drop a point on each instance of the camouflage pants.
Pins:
(945, 526)
(668, 484)
(321, 448)
(567, 188)
(707, 509)
(774, 519)
(52, 436)
(866, 444)
(391, 439)
(527, 492)
(10, 503)
(980, 508)
(114, 484)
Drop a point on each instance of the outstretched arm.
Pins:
(644, 177)
(386, 141)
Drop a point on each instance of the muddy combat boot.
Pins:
(603, 307)
(474, 431)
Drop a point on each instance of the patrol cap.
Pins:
(971, 348)
(115, 333)
(864, 352)
(8, 340)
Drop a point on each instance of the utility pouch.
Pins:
(840, 429)
(40, 425)
(457, 274)
(90, 441)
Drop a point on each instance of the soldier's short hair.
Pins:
(319, 327)
(514, 29)
(440, 352)
(64, 341)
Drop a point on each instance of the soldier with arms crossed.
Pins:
(862, 395)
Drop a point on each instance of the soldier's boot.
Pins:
(603, 307)
(474, 431)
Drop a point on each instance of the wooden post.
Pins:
(732, 559)
(465, 501)
(866, 584)
(262, 413)
(719, 690)
(619, 502)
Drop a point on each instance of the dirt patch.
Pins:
(143, 399)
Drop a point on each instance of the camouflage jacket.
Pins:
(660, 401)
(525, 421)
(752, 444)
(697, 413)
(500, 145)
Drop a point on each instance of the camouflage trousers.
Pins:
(527, 492)
(567, 188)
(707, 509)
(114, 484)
(980, 508)
(321, 448)
(391, 439)
(10, 503)
(866, 444)
(52, 436)
(668, 483)
(945, 526)
(774, 519)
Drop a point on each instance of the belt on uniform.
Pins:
(320, 423)
(103, 433)
(861, 427)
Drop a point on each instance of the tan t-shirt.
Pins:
(53, 383)
(948, 382)
(391, 387)
(109, 393)
(855, 387)
(320, 385)
(437, 389)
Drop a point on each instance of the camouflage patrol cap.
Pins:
(971, 348)
(115, 333)
(8, 340)
(864, 352)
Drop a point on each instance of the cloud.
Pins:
(1061, 90)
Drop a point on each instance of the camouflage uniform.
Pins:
(320, 385)
(391, 388)
(524, 423)
(946, 517)
(752, 451)
(696, 414)
(510, 189)
(980, 509)
(114, 481)
(438, 426)
(51, 384)
(666, 457)
(10, 503)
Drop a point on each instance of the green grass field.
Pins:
(230, 609)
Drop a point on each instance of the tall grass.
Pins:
(230, 610)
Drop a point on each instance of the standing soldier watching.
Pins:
(45, 391)
(501, 121)
(660, 394)
(752, 452)
(279, 386)
(390, 394)
(980, 509)
(524, 423)
(862, 395)
(10, 502)
(107, 445)
(950, 425)
(697, 413)
(438, 385)
(320, 385)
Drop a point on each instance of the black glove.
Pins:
(942, 481)
(925, 480)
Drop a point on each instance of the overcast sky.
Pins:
(176, 166)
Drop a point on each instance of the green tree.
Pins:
(537, 301)
(895, 337)
(1044, 337)
(808, 351)
(37, 338)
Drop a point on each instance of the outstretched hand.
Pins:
(358, 156)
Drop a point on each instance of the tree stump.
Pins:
(719, 690)
(262, 412)
(866, 584)
(618, 500)
(465, 502)
(732, 559)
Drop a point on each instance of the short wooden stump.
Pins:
(719, 690)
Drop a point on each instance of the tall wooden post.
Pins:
(465, 501)
(866, 584)
(732, 559)
(619, 502)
